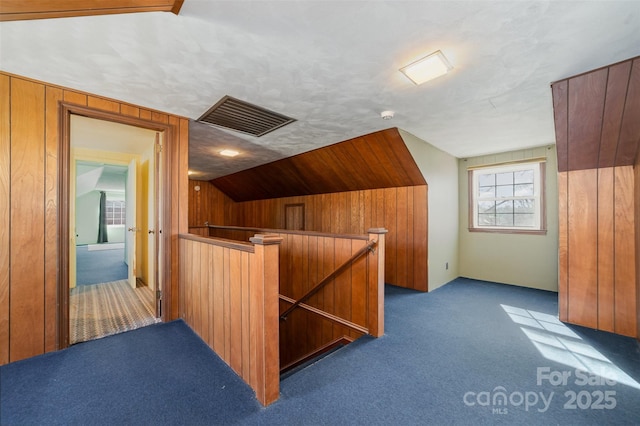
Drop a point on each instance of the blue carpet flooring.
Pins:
(100, 266)
(447, 357)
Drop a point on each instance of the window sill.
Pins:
(510, 231)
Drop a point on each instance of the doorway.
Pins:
(113, 216)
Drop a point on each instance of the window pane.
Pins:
(487, 180)
(524, 189)
(487, 192)
(524, 220)
(504, 220)
(486, 220)
(486, 207)
(504, 178)
(524, 176)
(504, 206)
(525, 206)
(505, 191)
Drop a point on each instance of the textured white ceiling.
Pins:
(333, 65)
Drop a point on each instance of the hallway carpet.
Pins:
(101, 310)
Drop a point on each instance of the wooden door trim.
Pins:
(64, 163)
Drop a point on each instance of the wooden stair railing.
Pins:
(326, 280)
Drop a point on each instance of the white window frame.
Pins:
(538, 167)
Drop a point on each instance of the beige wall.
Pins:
(440, 171)
(525, 260)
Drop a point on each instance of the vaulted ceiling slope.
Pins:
(597, 117)
(376, 160)
(15, 10)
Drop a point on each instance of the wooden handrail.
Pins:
(327, 315)
(328, 278)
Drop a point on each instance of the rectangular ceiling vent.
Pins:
(244, 117)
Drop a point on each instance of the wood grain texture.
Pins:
(334, 213)
(636, 195)
(625, 253)
(228, 300)
(5, 214)
(586, 104)
(597, 117)
(336, 168)
(617, 84)
(30, 165)
(563, 246)
(561, 121)
(14, 10)
(606, 249)
(27, 219)
(52, 258)
(630, 130)
(103, 104)
(582, 248)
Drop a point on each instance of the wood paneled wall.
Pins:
(597, 249)
(403, 211)
(229, 297)
(377, 160)
(353, 295)
(209, 204)
(30, 257)
(597, 117)
(597, 121)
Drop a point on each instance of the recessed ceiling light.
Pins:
(190, 172)
(427, 68)
(229, 153)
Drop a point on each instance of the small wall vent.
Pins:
(244, 117)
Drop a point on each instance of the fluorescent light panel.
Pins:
(427, 68)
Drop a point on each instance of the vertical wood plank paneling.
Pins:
(218, 297)
(5, 214)
(583, 257)
(390, 220)
(103, 104)
(145, 114)
(613, 109)
(358, 287)
(246, 316)
(401, 232)
(196, 288)
(420, 241)
(586, 104)
(226, 300)
(53, 97)
(625, 256)
(27, 219)
(235, 311)
(328, 266)
(205, 255)
(563, 246)
(74, 97)
(410, 242)
(627, 151)
(129, 110)
(605, 249)
(561, 120)
(636, 195)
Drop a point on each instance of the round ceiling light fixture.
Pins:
(387, 115)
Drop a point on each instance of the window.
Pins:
(116, 213)
(507, 198)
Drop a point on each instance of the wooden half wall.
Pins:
(229, 297)
(401, 210)
(31, 261)
(597, 121)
